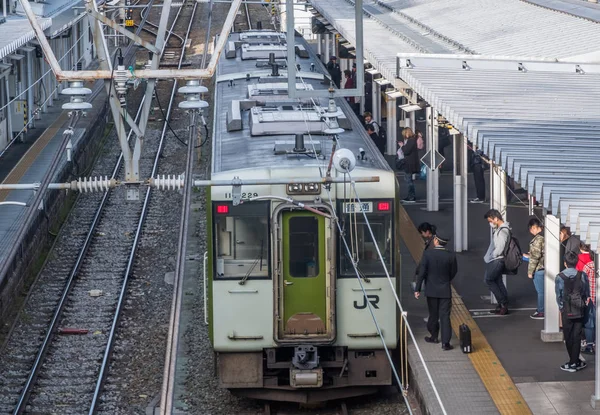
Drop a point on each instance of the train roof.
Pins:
(255, 122)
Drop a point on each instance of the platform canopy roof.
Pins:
(16, 32)
(538, 120)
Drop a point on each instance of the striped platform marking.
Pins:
(499, 384)
(32, 154)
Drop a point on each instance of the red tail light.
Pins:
(223, 209)
(383, 206)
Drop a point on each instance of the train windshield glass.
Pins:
(362, 246)
(241, 240)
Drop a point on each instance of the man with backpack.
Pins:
(379, 129)
(495, 260)
(572, 295)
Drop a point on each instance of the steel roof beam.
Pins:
(475, 62)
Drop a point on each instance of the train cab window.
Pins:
(304, 246)
(362, 246)
(241, 240)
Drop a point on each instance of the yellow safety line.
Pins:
(32, 154)
(499, 384)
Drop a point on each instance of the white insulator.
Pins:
(169, 182)
(93, 184)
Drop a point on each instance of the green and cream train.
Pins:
(288, 319)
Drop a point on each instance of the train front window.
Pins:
(362, 247)
(304, 246)
(241, 240)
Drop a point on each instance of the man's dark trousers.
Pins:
(572, 329)
(493, 278)
(439, 311)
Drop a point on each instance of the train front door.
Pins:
(304, 274)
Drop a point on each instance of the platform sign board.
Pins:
(433, 159)
(366, 207)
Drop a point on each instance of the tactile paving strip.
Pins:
(499, 384)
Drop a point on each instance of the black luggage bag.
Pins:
(465, 338)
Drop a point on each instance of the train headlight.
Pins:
(303, 189)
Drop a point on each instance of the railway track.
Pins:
(58, 354)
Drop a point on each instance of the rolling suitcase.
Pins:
(465, 338)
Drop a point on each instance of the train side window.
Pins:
(304, 247)
(241, 242)
(362, 246)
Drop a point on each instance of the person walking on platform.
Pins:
(438, 268)
(568, 242)
(334, 70)
(427, 231)
(535, 269)
(494, 260)
(376, 138)
(370, 121)
(586, 264)
(478, 177)
(412, 164)
(572, 296)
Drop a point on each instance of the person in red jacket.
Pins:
(587, 265)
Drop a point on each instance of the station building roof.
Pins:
(55, 16)
(507, 27)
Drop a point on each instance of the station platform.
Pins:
(511, 370)
(28, 162)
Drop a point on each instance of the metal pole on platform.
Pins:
(460, 193)
(551, 332)
(433, 174)
(498, 202)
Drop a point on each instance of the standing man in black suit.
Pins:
(438, 267)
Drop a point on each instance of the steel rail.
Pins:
(130, 263)
(25, 393)
(169, 370)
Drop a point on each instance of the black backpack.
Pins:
(573, 302)
(382, 132)
(513, 256)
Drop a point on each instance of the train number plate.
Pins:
(366, 207)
